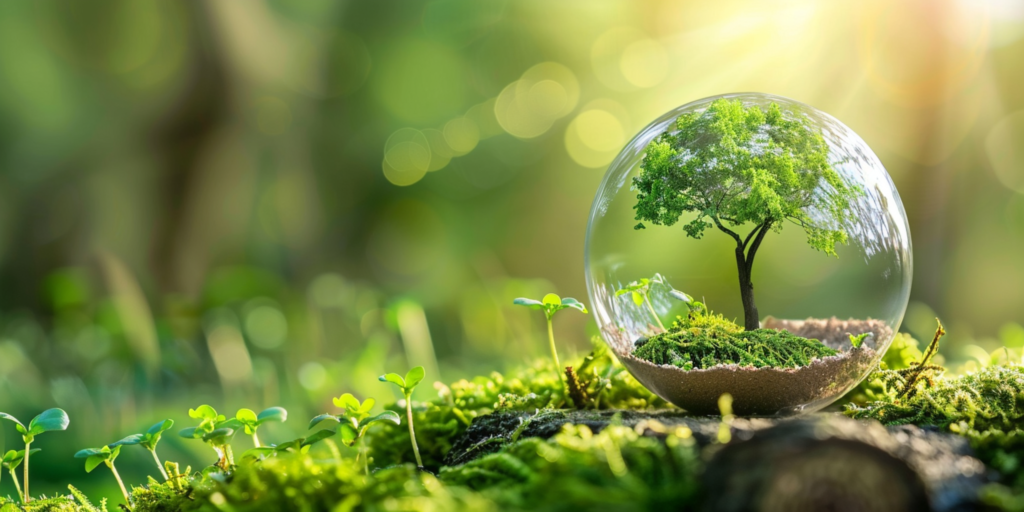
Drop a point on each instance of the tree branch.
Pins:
(726, 230)
(752, 232)
(755, 245)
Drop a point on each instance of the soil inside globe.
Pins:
(766, 391)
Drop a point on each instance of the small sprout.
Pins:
(215, 430)
(858, 340)
(640, 292)
(49, 420)
(408, 385)
(356, 420)
(106, 455)
(10, 461)
(252, 421)
(300, 445)
(552, 304)
(148, 440)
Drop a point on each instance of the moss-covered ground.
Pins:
(702, 339)
(614, 469)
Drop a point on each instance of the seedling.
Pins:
(252, 421)
(10, 461)
(149, 439)
(640, 292)
(215, 430)
(48, 421)
(106, 455)
(408, 385)
(356, 420)
(858, 340)
(300, 445)
(552, 304)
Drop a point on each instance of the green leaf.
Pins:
(203, 412)
(92, 462)
(622, 291)
(232, 423)
(130, 440)
(190, 433)
(349, 434)
(278, 414)
(347, 402)
(323, 417)
(258, 453)
(246, 416)
(8, 417)
(552, 300)
(530, 303)
(638, 299)
(573, 303)
(391, 416)
(317, 437)
(413, 378)
(13, 459)
(393, 378)
(92, 452)
(48, 421)
(220, 434)
(366, 406)
(160, 428)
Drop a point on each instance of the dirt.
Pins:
(767, 391)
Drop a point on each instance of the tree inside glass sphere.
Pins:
(734, 166)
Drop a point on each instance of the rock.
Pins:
(819, 462)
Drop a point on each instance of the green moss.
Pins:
(44, 504)
(616, 469)
(440, 421)
(903, 351)
(980, 401)
(703, 339)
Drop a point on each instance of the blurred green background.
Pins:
(271, 202)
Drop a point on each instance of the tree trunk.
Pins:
(751, 320)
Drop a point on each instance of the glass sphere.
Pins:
(769, 212)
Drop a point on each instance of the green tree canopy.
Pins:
(733, 165)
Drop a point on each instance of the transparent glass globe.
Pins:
(861, 289)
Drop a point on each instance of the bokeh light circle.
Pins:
(796, 287)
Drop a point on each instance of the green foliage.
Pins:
(735, 165)
(858, 340)
(173, 495)
(616, 469)
(528, 388)
(732, 165)
(298, 482)
(96, 456)
(12, 459)
(407, 385)
(252, 421)
(551, 304)
(980, 401)
(640, 292)
(903, 352)
(215, 430)
(49, 420)
(148, 439)
(703, 339)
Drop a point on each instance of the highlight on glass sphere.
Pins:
(750, 245)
